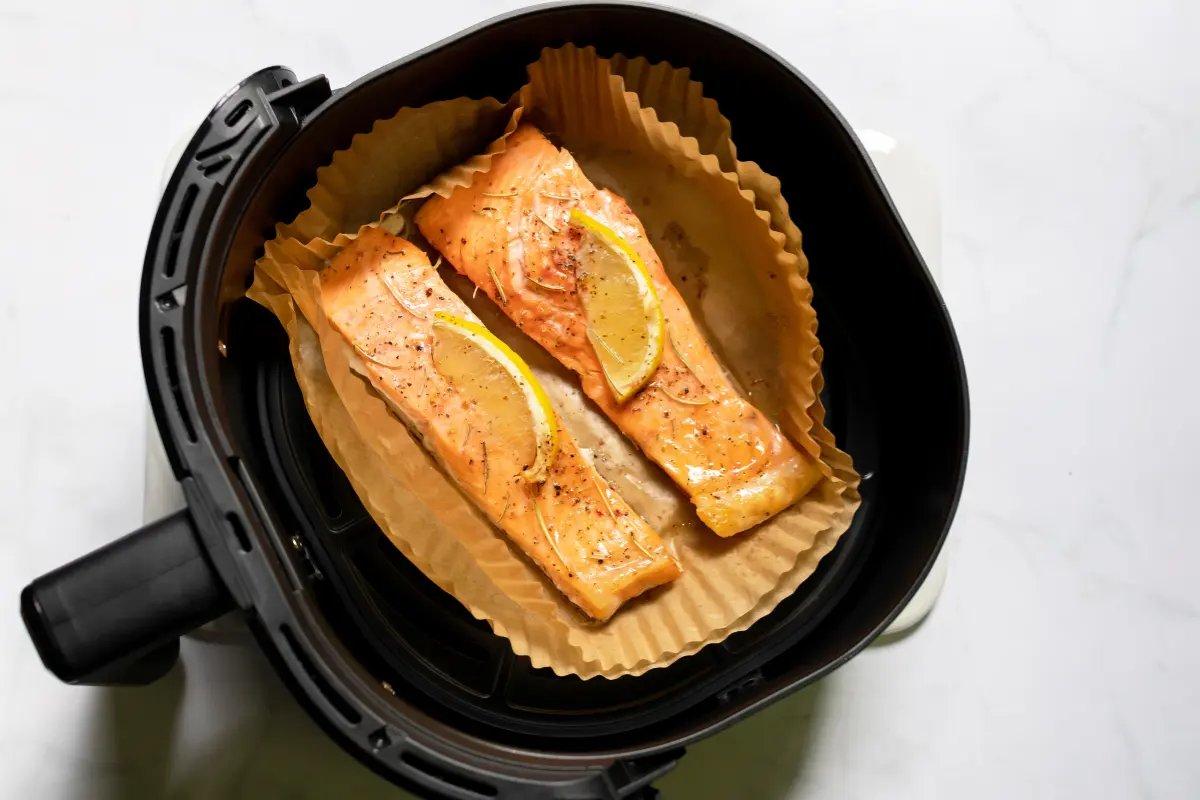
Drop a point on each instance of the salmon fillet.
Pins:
(510, 234)
(381, 293)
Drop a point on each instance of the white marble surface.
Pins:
(1064, 657)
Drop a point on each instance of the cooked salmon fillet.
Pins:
(510, 233)
(381, 293)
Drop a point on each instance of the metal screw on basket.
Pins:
(297, 544)
(379, 740)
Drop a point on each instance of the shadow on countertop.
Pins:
(222, 725)
(763, 757)
(135, 732)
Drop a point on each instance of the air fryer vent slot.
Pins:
(238, 530)
(170, 358)
(176, 237)
(236, 113)
(339, 703)
(442, 775)
(214, 165)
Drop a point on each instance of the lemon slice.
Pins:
(522, 421)
(625, 320)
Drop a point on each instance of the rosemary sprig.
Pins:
(486, 471)
(553, 540)
(499, 288)
(547, 286)
(611, 513)
(546, 222)
(370, 357)
(595, 338)
(396, 295)
(683, 400)
(679, 353)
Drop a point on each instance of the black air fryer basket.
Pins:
(393, 668)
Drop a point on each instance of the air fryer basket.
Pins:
(394, 669)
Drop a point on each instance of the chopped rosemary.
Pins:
(603, 494)
(486, 471)
(438, 263)
(467, 438)
(546, 532)
(555, 196)
(536, 282)
(546, 222)
(597, 340)
(679, 353)
(370, 357)
(683, 400)
(611, 513)
(480, 213)
(507, 499)
(499, 194)
(638, 545)
(391, 289)
(475, 292)
(499, 288)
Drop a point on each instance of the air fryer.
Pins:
(394, 669)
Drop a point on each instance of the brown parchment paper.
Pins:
(397, 154)
(746, 286)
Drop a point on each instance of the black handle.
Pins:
(114, 617)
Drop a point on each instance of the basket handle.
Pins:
(114, 616)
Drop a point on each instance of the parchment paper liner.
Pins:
(415, 145)
(706, 227)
